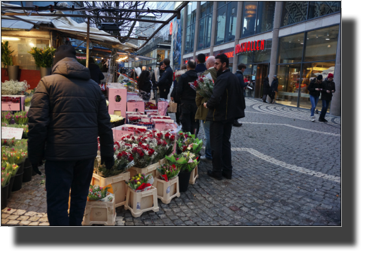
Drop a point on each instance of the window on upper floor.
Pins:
(257, 17)
(205, 25)
(226, 21)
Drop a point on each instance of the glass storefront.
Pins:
(205, 25)
(301, 58)
(190, 31)
(226, 22)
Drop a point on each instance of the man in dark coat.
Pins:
(326, 96)
(226, 104)
(200, 68)
(273, 88)
(67, 114)
(239, 74)
(95, 71)
(315, 87)
(266, 89)
(187, 95)
(165, 81)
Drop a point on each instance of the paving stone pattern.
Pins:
(286, 172)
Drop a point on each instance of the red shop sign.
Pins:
(250, 46)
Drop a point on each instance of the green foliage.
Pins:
(43, 57)
(6, 54)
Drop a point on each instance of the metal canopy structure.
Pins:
(36, 14)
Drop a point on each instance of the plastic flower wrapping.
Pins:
(97, 193)
(141, 183)
(188, 142)
(204, 85)
(168, 172)
(13, 87)
(185, 161)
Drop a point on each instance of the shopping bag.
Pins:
(172, 107)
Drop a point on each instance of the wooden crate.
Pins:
(194, 176)
(119, 185)
(140, 202)
(152, 169)
(99, 212)
(166, 191)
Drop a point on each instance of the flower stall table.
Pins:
(13, 103)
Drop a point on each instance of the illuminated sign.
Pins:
(250, 46)
(171, 28)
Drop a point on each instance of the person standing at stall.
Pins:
(225, 105)
(174, 92)
(67, 113)
(95, 71)
(145, 86)
(187, 96)
(315, 87)
(165, 81)
(326, 96)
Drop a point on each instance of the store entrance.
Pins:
(262, 72)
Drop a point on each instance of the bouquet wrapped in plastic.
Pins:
(140, 182)
(204, 86)
(167, 172)
(97, 193)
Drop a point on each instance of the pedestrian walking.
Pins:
(187, 96)
(165, 81)
(226, 104)
(67, 113)
(326, 96)
(173, 95)
(202, 111)
(200, 68)
(315, 87)
(273, 88)
(95, 71)
(239, 74)
(266, 89)
(145, 86)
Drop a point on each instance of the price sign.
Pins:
(10, 132)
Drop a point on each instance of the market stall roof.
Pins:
(67, 25)
(133, 57)
(16, 25)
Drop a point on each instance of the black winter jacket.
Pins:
(95, 73)
(165, 81)
(312, 87)
(328, 86)
(145, 91)
(240, 77)
(200, 68)
(227, 101)
(184, 92)
(274, 85)
(67, 113)
(266, 88)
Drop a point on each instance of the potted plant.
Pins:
(7, 60)
(43, 59)
(167, 183)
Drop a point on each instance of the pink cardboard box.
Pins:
(10, 106)
(161, 125)
(118, 132)
(115, 90)
(138, 106)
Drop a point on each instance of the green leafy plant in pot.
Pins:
(43, 59)
(7, 61)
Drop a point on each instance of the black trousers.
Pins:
(220, 133)
(178, 113)
(163, 92)
(61, 176)
(188, 112)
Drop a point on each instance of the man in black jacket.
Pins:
(165, 81)
(273, 88)
(326, 96)
(187, 96)
(315, 87)
(226, 104)
(67, 114)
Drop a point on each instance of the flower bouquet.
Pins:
(21, 117)
(43, 57)
(6, 117)
(185, 161)
(13, 87)
(97, 193)
(168, 172)
(123, 161)
(204, 86)
(141, 183)
(188, 142)
(150, 106)
(143, 155)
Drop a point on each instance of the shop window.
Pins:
(249, 18)
(288, 84)
(294, 12)
(317, 9)
(291, 48)
(160, 55)
(21, 47)
(321, 44)
(265, 16)
(230, 55)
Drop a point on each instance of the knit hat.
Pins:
(330, 75)
(62, 52)
(319, 77)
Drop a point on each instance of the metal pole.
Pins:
(87, 43)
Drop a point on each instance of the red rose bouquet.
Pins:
(140, 182)
(204, 86)
(167, 172)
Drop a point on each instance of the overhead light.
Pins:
(329, 46)
(9, 38)
(302, 43)
(31, 44)
(327, 39)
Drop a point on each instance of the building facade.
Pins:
(294, 40)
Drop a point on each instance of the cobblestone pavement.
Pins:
(286, 171)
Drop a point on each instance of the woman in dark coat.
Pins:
(145, 86)
(95, 71)
(266, 89)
